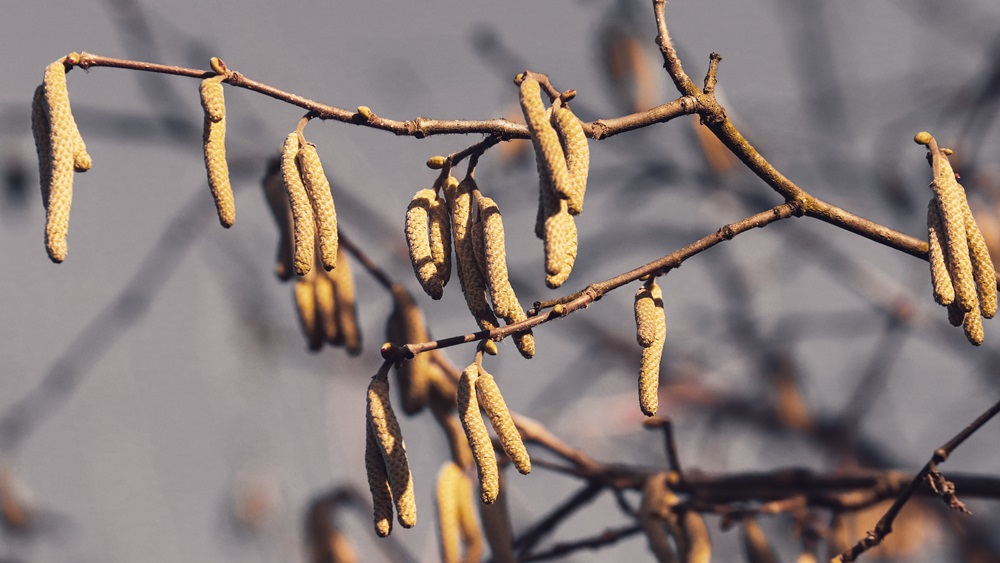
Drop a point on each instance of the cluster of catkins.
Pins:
(61, 151)
(961, 269)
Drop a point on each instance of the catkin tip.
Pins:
(922, 138)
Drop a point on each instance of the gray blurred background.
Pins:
(156, 382)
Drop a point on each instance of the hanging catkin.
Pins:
(544, 139)
(560, 245)
(346, 304)
(440, 238)
(577, 151)
(326, 309)
(973, 326)
(982, 266)
(214, 138)
(944, 292)
(406, 326)
(302, 213)
(654, 493)
(950, 198)
(378, 484)
(449, 533)
(651, 330)
(478, 436)
(459, 197)
(309, 319)
(66, 152)
(696, 541)
(418, 215)
(318, 188)
(390, 441)
(490, 399)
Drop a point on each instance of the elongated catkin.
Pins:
(982, 266)
(697, 543)
(755, 544)
(418, 242)
(651, 330)
(497, 526)
(544, 138)
(318, 187)
(449, 532)
(305, 301)
(390, 441)
(64, 144)
(378, 484)
(560, 246)
(459, 197)
(944, 291)
(973, 325)
(213, 102)
(652, 522)
(577, 151)
(347, 306)
(492, 402)
(478, 436)
(440, 238)
(326, 309)
(472, 537)
(302, 213)
(406, 326)
(951, 198)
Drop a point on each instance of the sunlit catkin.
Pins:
(64, 145)
(982, 266)
(447, 496)
(951, 200)
(390, 440)
(347, 307)
(651, 331)
(406, 326)
(577, 151)
(378, 484)
(418, 242)
(326, 309)
(492, 402)
(318, 188)
(277, 202)
(305, 302)
(544, 139)
(944, 291)
(973, 325)
(478, 436)
(303, 223)
(440, 238)
(755, 544)
(561, 245)
(697, 543)
(650, 518)
(215, 150)
(459, 198)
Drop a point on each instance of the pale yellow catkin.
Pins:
(326, 310)
(459, 197)
(697, 543)
(305, 301)
(378, 484)
(449, 531)
(472, 537)
(64, 143)
(944, 291)
(950, 197)
(302, 213)
(755, 544)
(982, 266)
(652, 522)
(492, 402)
(544, 139)
(213, 99)
(215, 150)
(477, 435)
(346, 304)
(577, 151)
(390, 441)
(651, 327)
(973, 325)
(440, 238)
(418, 242)
(318, 187)
(406, 326)
(561, 246)
(497, 526)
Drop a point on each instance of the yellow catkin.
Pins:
(755, 544)
(378, 484)
(406, 326)
(390, 441)
(418, 242)
(477, 435)
(951, 199)
(505, 303)
(492, 402)
(213, 99)
(64, 144)
(346, 304)
(560, 245)
(973, 325)
(982, 266)
(326, 310)
(318, 188)
(697, 544)
(305, 301)
(449, 532)
(43, 143)
(651, 327)
(650, 518)
(277, 202)
(472, 537)
(470, 277)
(302, 214)
(440, 238)
(544, 138)
(577, 151)
(944, 291)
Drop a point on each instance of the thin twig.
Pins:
(604, 539)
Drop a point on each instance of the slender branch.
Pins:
(884, 525)
(369, 265)
(605, 538)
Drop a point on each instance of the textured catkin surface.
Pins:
(63, 146)
(440, 238)
(318, 188)
(951, 200)
(561, 245)
(492, 402)
(447, 497)
(347, 308)
(417, 229)
(982, 266)
(577, 151)
(651, 327)
(390, 440)
(470, 277)
(378, 484)
(303, 223)
(944, 291)
(405, 326)
(973, 326)
(478, 436)
(218, 170)
(544, 139)
(305, 305)
(213, 99)
(326, 309)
